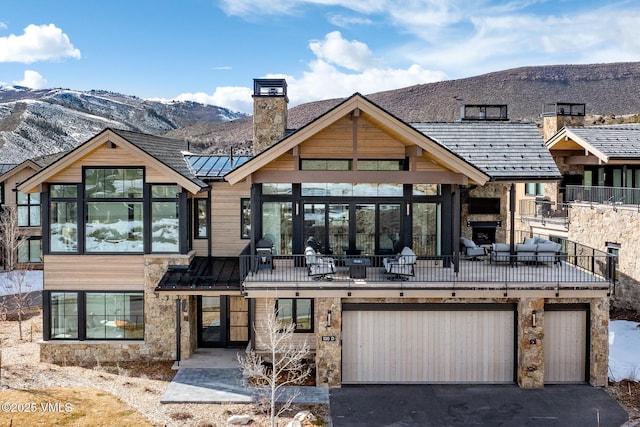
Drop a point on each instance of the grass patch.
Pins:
(67, 407)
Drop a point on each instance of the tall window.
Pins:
(296, 310)
(277, 225)
(114, 210)
(245, 219)
(201, 219)
(63, 218)
(29, 250)
(164, 218)
(64, 315)
(28, 209)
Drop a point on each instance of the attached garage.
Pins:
(565, 343)
(428, 343)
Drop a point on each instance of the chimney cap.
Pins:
(564, 109)
(270, 87)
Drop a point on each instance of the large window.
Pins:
(63, 218)
(28, 209)
(296, 310)
(114, 210)
(277, 225)
(114, 315)
(164, 218)
(96, 315)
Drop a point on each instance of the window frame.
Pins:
(158, 199)
(29, 206)
(28, 242)
(538, 189)
(245, 218)
(79, 313)
(196, 218)
(294, 313)
(67, 200)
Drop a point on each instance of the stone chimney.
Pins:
(556, 116)
(269, 112)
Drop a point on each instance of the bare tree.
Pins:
(15, 284)
(280, 362)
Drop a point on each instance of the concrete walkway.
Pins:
(214, 376)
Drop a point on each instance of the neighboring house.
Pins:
(28, 205)
(600, 192)
(151, 252)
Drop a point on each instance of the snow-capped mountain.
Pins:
(38, 122)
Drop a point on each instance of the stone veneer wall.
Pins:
(159, 331)
(490, 190)
(269, 121)
(328, 353)
(596, 225)
(530, 340)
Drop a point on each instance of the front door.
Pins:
(223, 321)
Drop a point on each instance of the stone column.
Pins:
(531, 343)
(599, 351)
(328, 342)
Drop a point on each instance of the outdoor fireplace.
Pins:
(483, 232)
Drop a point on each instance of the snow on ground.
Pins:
(624, 350)
(624, 337)
(32, 282)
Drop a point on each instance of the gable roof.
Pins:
(504, 151)
(401, 130)
(607, 143)
(165, 154)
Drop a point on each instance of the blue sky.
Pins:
(211, 50)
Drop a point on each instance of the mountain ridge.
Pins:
(45, 121)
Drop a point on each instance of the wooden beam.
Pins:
(373, 177)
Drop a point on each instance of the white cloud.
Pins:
(33, 80)
(348, 21)
(38, 43)
(326, 77)
(235, 98)
(3, 26)
(353, 55)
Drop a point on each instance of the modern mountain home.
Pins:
(390, 245)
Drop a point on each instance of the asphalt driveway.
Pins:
(473, 405)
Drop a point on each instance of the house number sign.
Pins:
(328, 338)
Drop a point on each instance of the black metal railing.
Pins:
(574, 266)
(544, 211)
(603, 195)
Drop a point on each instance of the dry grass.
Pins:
(67, 407)
(119, 391)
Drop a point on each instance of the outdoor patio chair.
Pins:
(401, 266)
(500, 252)
(526, 253)
(470, 250)
(318, 265)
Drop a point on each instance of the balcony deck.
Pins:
(569, 276)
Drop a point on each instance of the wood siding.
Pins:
(238, 319)
(94, 272)
(225, 219)
(264, 304)
(428, 347)
(565, 346)
(109, 157)
(336, 142)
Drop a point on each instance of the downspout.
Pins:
(512, 219)
(455, 245)
(178, 331)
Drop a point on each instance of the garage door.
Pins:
(428, 343)
(565, 345)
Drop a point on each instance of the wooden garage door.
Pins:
(434, 346)
(565, 346)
